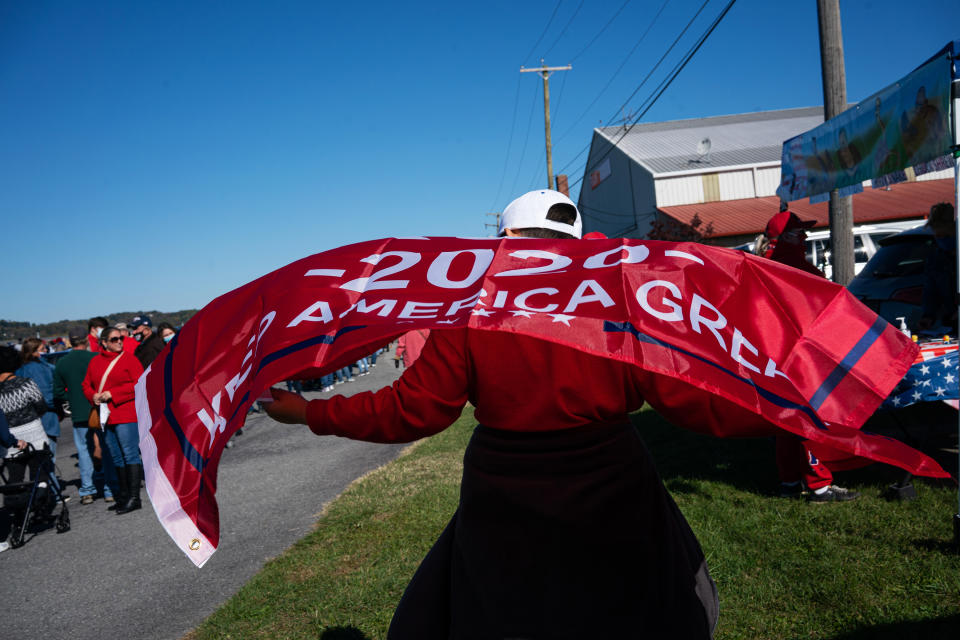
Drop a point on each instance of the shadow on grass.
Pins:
(682, 456)
(948, 627)
(940, 546)
(749, 464)
(344, 633)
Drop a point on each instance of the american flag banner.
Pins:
(740, 345)
(932, 378)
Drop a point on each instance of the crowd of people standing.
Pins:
(92, 383)
(406, 349)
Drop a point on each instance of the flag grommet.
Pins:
(195, 544)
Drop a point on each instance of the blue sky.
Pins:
(154, 155)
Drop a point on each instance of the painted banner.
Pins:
(903, 125)
(796, 351)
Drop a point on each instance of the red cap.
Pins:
(785, 221)
(594, 235)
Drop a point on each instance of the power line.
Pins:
(663, 57)
(564, 30)
(582, 51)
(545, 29)
(592, 212)
(666, 82)
(574, 159)
(494, 225)
(599, 33)
(619, 69)
(506, 161)
(563, 83)
(647, 77)
(516, 102)
(523, 153)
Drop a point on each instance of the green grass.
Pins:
(785, 569)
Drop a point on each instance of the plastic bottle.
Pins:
(903, 326)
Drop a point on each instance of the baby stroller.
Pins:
(32, 504)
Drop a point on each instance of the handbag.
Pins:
(97, 453)
(94, 419)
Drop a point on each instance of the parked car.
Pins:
(866, 242)
(891, 283)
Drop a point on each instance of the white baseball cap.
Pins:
(529, 211)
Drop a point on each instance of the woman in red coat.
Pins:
(115, 397)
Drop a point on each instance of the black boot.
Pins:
(133, 487)
(122, 494)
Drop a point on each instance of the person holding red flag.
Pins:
(797, 463)
(564, 528)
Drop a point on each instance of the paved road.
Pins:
(122, 577)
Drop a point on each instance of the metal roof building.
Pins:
(636, 175)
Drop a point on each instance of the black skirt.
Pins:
(560, 534)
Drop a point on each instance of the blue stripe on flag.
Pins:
(305, 344)
(242, 402)
(849, 362)
(196, 460)
(766, 394)
(189, 452)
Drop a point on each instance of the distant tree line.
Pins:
(13, 331)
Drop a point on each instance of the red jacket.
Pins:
(516, 383)
(94, 343)
(130, 344)
(120, 384)
(410, 345)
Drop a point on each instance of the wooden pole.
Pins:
(834, 103)
(545, 72)
(546, 127)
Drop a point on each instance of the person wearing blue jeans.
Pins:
(362, 366)
(68, 377)
(109, 383)
(92, 479)
(326, 382)
(123, 445)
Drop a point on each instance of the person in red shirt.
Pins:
(95, 327)
(109, 382)
(797, 462)
(784, 241)
(130, 344)
(564, 528)
(410, 345)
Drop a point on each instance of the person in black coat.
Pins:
(151, 344)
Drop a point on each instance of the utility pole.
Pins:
(496, 227)
(545, 72)
(834, 103)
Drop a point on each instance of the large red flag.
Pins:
(728, 331)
